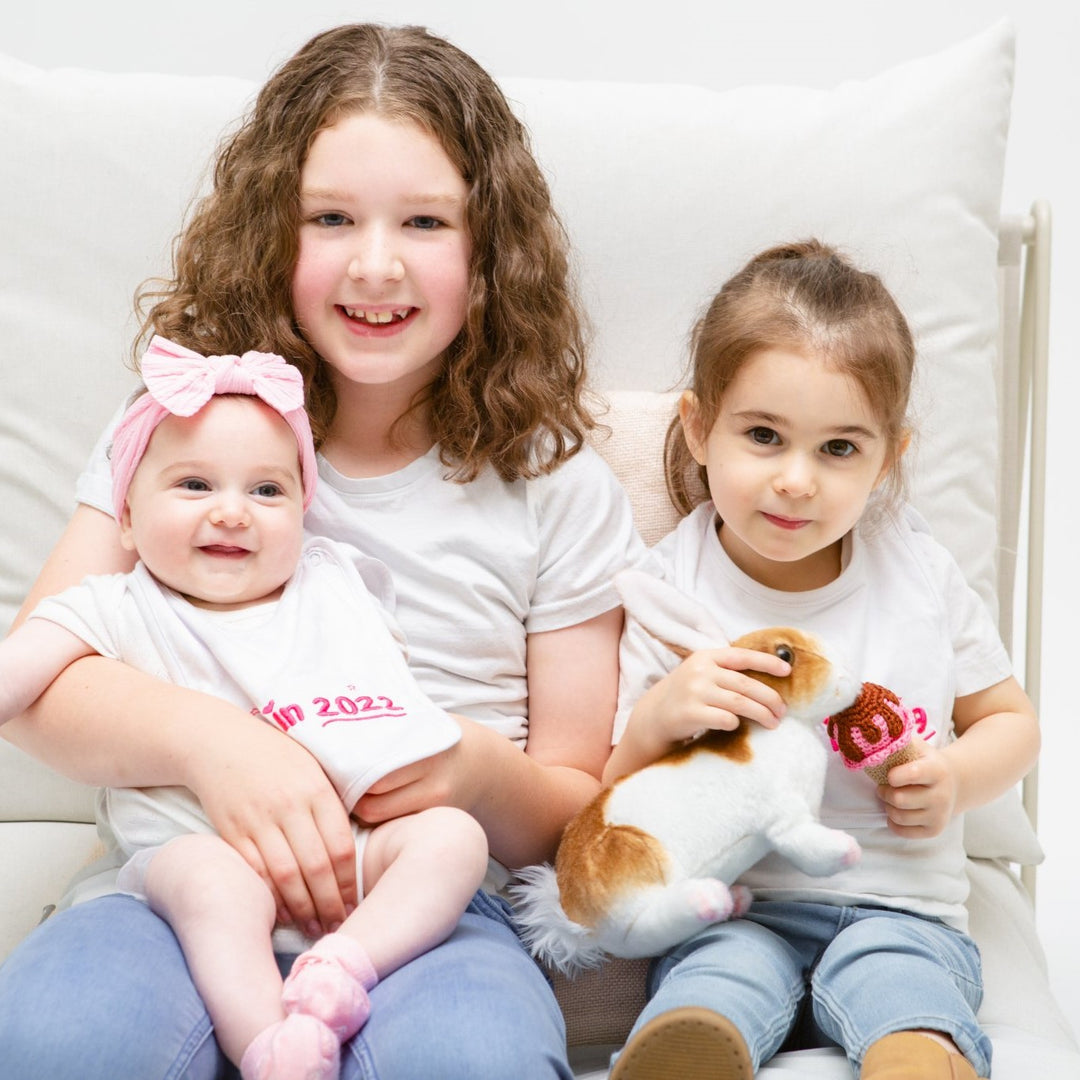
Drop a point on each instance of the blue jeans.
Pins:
(826, 974)
(101, 992)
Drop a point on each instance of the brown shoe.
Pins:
(907, 1055)
(685, 1044)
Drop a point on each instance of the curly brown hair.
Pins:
(800, 296)
(510, 393)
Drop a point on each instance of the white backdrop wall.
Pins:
(716, 45)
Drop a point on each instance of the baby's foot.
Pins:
(297, 1048)
(330, 981)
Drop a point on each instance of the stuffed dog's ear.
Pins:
(669, 615)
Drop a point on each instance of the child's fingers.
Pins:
(745, 695)
(282, 873)
(738, 659)
(722, 708)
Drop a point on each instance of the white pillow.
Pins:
(96, 174)
(667, 191)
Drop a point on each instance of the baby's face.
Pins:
(215, 508)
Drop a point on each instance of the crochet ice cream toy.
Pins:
(874, 733)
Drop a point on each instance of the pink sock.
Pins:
(297, 1048)
(330, 981)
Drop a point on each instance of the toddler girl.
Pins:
(795, 426)
(212, 469)
(378, 219)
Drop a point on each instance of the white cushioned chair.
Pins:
(665, 190)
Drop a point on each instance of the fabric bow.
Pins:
(183, 381)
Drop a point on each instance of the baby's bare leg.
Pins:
(420, 872)
(222, 914)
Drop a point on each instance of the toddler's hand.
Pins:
(708, 691)
(920, 796)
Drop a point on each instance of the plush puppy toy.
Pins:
(649, 861)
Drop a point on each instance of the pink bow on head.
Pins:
(183, 381)
(179, 382)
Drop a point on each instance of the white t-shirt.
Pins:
(900, 615)
(475, 567)
(324, 662)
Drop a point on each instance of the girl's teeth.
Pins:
(376, 318)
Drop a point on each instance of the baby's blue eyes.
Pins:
(268, 490)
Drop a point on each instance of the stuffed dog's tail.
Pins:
(549, 934)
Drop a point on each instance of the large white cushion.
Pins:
(96, 173)
(666, 194)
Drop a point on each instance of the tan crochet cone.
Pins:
(880, 773)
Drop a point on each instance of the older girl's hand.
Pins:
(285, 818)
(453, 777)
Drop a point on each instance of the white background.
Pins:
(719, 45)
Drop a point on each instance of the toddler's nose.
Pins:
(795, 478)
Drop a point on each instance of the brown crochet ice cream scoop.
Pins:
(874, 733)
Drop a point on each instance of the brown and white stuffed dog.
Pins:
(649, 861)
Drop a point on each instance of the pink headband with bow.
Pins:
(180, 382)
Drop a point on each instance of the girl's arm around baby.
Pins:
(523, 800)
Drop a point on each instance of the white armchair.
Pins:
(664, 190)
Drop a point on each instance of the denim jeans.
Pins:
(101, 992)
(844, 975)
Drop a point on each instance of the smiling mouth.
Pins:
(377, 318)
(224, 551)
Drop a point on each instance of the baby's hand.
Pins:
(708, 691)
(920, 796)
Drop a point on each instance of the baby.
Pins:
(213, 468)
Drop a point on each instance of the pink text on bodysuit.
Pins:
(330, 710)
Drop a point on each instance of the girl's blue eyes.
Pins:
(194, 485)
(268, 491)
(424, 222)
